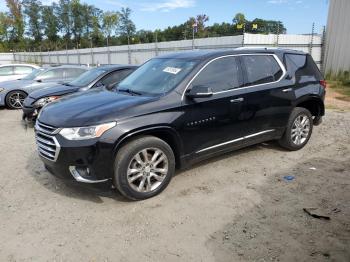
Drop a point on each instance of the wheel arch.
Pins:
(166, 133)
(312, 103)
(13, 90)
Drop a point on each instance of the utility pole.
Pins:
(312, 39)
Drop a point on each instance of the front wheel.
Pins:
(143, 168)
(15, 99)
(299, 129)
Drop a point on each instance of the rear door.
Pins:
(267, 96)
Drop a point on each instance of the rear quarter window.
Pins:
(261, 69)
(6, 71)
(302, 68)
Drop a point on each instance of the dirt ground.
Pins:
(237, 207)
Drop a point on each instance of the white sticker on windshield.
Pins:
(172, 70)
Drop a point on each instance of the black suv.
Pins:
(177, 109)
(100, 77)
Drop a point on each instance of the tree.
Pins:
(17, 22)
(127, 27)
(50, 23)
(77, 20)
(110, 22)
(96, 34)
(64, 16)
(5, 23)
(32, 9)
(239, 18)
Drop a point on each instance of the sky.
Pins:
(297, 15)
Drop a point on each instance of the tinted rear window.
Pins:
(302, 68)
(261, 69)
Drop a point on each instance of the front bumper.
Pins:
(86, 161)
(30, 112)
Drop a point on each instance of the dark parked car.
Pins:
(105, 76)
(13, 93)
(181, 108)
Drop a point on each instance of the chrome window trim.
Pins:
(236, 140)
(239, 88)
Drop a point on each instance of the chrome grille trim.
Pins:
(46, 129)
(47, 144)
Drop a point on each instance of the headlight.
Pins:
(87, 132)
(45, 100)
(1, 89)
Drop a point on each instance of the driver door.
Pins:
(212, 123)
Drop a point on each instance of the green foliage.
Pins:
(16, 29)
(32, 10)
(72, 24)
(50, 23)
(127, 27)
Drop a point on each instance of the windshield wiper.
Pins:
(128, 90)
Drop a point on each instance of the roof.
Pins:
(205, 54)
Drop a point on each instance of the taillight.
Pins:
(323, 83)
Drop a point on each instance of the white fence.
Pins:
(6, 58)
(139, 53)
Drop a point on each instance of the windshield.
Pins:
(33, 74)
(87, 77)
(157, 76)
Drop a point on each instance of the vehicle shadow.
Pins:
(96, 192)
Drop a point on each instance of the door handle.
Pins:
(287, 90)
(237, 100)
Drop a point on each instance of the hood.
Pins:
(57, 90)
(91, 108)
(16, 84)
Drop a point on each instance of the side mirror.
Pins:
(99, 84)
(199, 92)
(39, 80)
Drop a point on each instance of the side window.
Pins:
(115, 77)
(73, 72)
(52, 74)
(6, 71)
(302, 67)
(221, 74)
(23, 70)
(261, 69)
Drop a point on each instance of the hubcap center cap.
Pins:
(147, 169)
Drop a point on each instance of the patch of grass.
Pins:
(341, 88)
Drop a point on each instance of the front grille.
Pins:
(48, 147)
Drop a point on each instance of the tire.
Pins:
(15, 98)
(131, 167)
(297, 134)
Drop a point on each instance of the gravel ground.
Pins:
(237, 207)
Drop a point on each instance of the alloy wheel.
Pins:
(147, 170)
(300, 129)
(16, 100)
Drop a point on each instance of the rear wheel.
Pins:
(299, 129)
(14, 99)
(143, 168)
